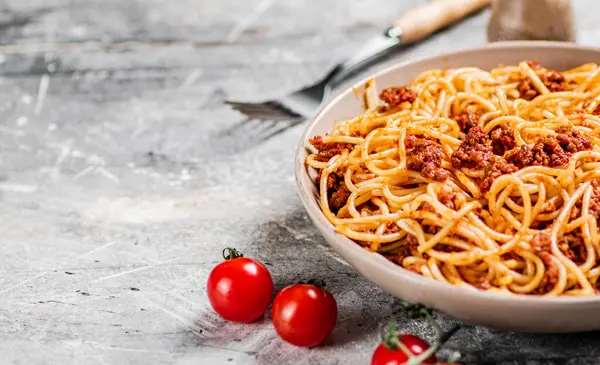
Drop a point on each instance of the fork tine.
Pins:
(237, 103)
(264, 114)
(279, 106)
(268, 110)
(249, 106)
(272, 105)
(277, 131)
(258, 108)
(253, 107)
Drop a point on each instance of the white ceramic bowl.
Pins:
(515, 312)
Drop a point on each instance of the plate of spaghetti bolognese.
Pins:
(468, 182)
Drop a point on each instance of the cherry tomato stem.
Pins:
(230, 253)
(411, 351)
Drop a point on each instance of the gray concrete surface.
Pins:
(122, 176)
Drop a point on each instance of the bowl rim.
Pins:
(387, 266)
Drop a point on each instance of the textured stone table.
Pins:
(122, 176)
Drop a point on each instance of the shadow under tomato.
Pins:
(294, 251)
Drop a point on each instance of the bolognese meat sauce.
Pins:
(338, 193)
(535, 65)
(394, 96)
(474, 152)
(494, 170)
(467, 120)
(573, 247)
(326, 150)
(447, 198)
(526, 89)
(571, 140)
(337, 190)
(426, 156)
(502, 140)
(540, 243)
(339, 197)
(550, 151)
(553, 80)
(550, 278)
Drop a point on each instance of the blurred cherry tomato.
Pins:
(240, 288)
(385, 356)
(304, 314)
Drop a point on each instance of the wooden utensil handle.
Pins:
(426, 19)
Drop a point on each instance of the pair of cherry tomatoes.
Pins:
(240, 290)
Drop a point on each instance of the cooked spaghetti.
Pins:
(484, 180)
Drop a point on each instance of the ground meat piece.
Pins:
(551, 150)
(576, 210)
(502, 140)
(392, 228)
(333, 179)
(535, 65)
(426, 156)
(510, 256)
(399, 255)
(337, 191)
(497, 168)
(410, 140)
(339, 197)
(554, 81)
(394, 96)
(447, 198)
(548, 152)
(409, 248)
(368, 207)
(550, 276)
(446, 248)
(573, 247)
(326, 150)
(428, 208)
(526, 89)
(520, 157)
(411, 242)
(474, 152)
(540, 242)
(467, 120)
(541, 225)
(571, 140)
(427, 228)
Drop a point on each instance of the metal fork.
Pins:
(411, 27)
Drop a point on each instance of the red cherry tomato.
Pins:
(304, 314)
(385, 356)
(240, 288)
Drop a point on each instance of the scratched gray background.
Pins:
(122, 176)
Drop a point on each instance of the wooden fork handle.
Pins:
(434, 15)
